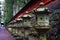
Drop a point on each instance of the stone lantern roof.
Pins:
(26, 15)
(42, 9)
(19, 19)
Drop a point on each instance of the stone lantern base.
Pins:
(42, 31)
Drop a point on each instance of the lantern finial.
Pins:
(26, 11)
(41, 4)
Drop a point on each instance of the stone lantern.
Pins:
(27, 20)
(20, 22)
(42, 16)
(42, 20)
(26, 23)
(17, 27)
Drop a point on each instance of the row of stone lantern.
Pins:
(39, 19)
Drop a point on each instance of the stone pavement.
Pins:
(5, 35)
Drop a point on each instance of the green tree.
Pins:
(8, 11)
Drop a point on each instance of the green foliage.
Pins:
(21, 3)
(8, 10)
